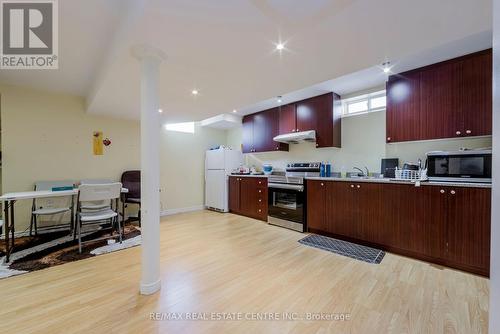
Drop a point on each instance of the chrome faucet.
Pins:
(361, 172)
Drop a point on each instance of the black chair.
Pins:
(131, 180)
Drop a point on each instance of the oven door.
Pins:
(467, 167)
(286, 202)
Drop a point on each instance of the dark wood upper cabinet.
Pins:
(403, 108)
(247, 144)
(477, 94)
(444, 100)
(259, 129)
(439, 87)
(321, 113)
(287, 119)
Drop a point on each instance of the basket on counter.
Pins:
(410, 175)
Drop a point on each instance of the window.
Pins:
(187, 127)
(364, 103)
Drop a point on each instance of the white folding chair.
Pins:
(95, 205)
(45, 209)
(98, 192)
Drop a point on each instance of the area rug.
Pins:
(55, 248)
(345, 248)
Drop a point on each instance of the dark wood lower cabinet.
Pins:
(445, 225)
(248, 196)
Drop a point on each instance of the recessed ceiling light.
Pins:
(280, 46)
(160, 110)
(234, 110)
(279, 99)
(386, 67)
(194, 92)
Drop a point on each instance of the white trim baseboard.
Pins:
(170, 212)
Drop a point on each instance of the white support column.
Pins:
(150, 59)
(494, 319)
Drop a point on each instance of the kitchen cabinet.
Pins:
(444, 100)
(248, 196)
(259, 129)
(476, 95)
(419, 232)
(321, 113)
(343, 208)
(287, 119)
(316, 206)
(234, 194)
(441, 224)
(464, 214)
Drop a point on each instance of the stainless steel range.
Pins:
(287, 200)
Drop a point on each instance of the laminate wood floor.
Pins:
(227, 266)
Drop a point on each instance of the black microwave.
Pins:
(462, 166)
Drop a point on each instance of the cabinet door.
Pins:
(317, 114)
(403, 108)
(287, 120)
(253, 197)
(265, 128)
(341, 208)
(440, 101)
(234, 194)
(476, 94)
(422, 219)
(369, 219)
(316, 191)
(247, 145)
(468, 228)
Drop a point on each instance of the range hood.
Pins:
(296, 137)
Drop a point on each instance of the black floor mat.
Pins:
(349, 249)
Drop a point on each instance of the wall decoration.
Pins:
(97, 143)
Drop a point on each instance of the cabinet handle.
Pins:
(260, 191)
(293, 130)
(458, 133)
(322, 184)
(388, 138)
(260, 210)
(352, 185)
(358, 186)
(442, 191)
(260, 200)
(453, 192)
(317, 144)
(260, 182)
(468, 132)
(297, 130)
(277, 147)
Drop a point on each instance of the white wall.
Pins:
(47, 136)
(363, 144)
(495, 218)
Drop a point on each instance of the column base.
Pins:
(150, 288)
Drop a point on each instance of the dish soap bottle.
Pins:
(322, 169)
(328, 169)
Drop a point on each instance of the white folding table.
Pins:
(10, 199)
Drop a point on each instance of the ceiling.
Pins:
(226, 49)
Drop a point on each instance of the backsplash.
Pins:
(363, 144)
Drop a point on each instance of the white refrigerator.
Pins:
(218, 165)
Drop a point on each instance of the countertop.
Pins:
(249, 175)
(394, 181)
